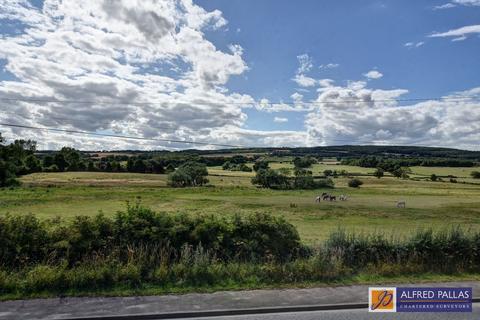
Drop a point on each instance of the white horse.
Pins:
(343, 197)
(401, 204)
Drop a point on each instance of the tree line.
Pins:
(378, 162)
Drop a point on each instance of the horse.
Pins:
(333, 198)
(321, 197)
(343, 197)
(326, 196)
(401, 204)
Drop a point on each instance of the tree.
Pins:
(139, 166)
(47, 161)
(91, 166)
(475, 174)
(130, 164)
(156, 167)
(269, 178)
(227, 165)
(60, 162)
(304, 162)
(379, 173)
(327, 173)
(33, 164)
(170, 168)
(189, 174)
(262, 164)
(355, 183)
(303, 179)
(7, 174)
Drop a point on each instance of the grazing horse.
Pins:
(326, 196)
(321, 197)
(333, 198)
(401, 204)
(343, 197)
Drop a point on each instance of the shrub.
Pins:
(475, 174)
(269, 178)
(23, 240)
(189, 174)
(355, 183)
(304, 162)
(260, 165)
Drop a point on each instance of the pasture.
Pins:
(370, 208)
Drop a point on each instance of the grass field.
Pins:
(369, 208)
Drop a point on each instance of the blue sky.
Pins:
(214, 68)
(357, 35)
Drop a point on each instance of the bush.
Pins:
(260, 165)
(355, 183)
(475, 174)
(304, 162)
(189, 174)
(269, 178)
(263, 250)
(156, 236)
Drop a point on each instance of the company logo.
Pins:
(382, 299)
(420, 299)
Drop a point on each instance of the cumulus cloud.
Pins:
(373, 74)
(136, 67)
(458, 34)
(146, 68)
(356, 114)
(280, 119)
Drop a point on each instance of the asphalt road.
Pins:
(356, 315)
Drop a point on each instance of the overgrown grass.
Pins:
(369, 208)
(139, 250)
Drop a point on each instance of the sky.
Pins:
(250, 73)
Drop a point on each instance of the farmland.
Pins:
(370, 208)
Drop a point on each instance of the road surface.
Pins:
(355, 315)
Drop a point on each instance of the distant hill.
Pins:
(346, 151)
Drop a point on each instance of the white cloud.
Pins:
(356, 114)
(121, 57)
(458, 34)
(373, 74)
(130, 52)
(414, 44)
(297, 106)
(305, 63)
(329, 66)
(455, 3)
(280, 119)
(325, 82)
(304, 81)
(444, 6)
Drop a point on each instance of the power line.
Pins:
(312, 103)
(351, 141)
(118, 136)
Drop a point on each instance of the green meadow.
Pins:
(370, 208)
